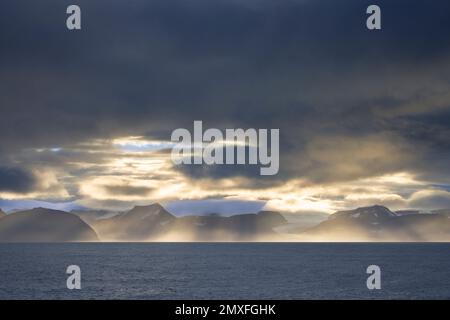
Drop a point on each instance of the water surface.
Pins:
(224, 270)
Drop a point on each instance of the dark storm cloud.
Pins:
(310, 68)
(125, 190)
(16, 180)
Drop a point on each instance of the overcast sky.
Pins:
(364, 116)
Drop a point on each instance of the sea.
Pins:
(225, 270)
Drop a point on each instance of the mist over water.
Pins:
(225, 270)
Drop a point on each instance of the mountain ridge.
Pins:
(378, 223)
(44, 225)
(154, 222)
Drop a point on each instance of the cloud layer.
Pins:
(353, 107)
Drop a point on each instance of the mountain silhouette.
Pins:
(146, 223)
(242, 227)
(44, 225)
(138, 224)
(378, 223)
(89, 216)
(155, 223)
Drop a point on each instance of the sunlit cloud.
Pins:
(134, 170)
(140, 144)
